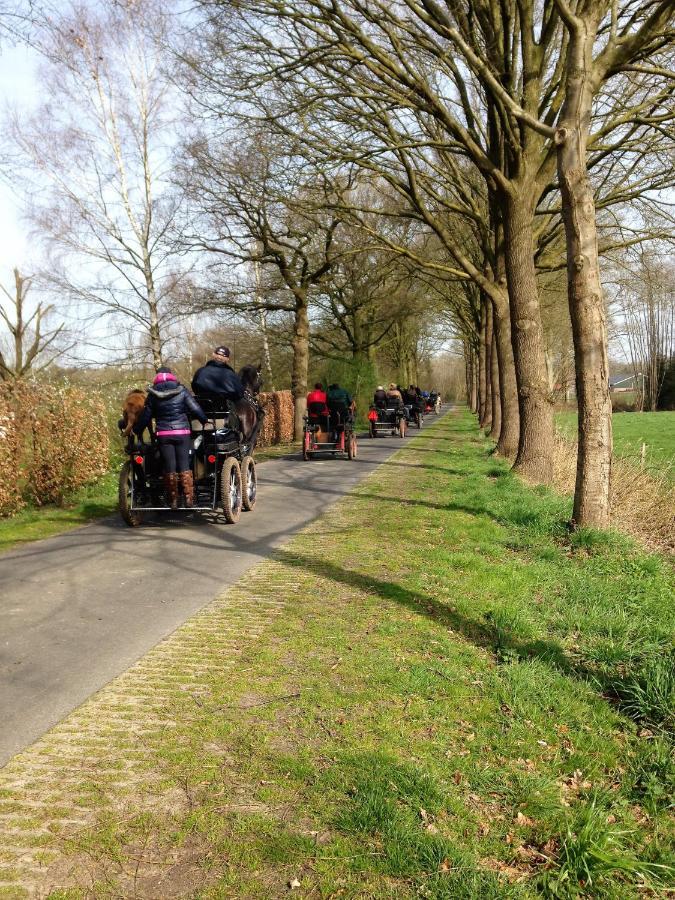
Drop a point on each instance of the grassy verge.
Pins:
(458, 701)
(33, 523)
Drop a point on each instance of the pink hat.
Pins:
(164, 376)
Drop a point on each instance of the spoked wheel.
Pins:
(371, 430)
(230, 490)
(420, 421)
(305, 446)
(401, 428)
(133, 519)
(249, 482)
(352, 447)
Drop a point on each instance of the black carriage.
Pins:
(222, 466)
(329, 431)
(415, 413)
(390, 419)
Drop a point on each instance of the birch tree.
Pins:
(96, 161)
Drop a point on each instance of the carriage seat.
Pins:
(222, 413)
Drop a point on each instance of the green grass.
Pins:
(458, 701)
(655, 429)
(33, 523)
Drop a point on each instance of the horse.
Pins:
(132, 409)
(249, 410)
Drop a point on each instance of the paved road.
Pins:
(78, 609)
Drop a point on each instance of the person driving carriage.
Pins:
(394, 395)
(172, 406)
(380, 398)
(340, 405)
(317, 402)
(217, 382)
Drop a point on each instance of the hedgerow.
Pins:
(53, 440)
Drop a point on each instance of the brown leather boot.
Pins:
(171, 489)
(188, 486)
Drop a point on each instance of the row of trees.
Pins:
(369, 178)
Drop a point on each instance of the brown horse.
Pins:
(132, 409)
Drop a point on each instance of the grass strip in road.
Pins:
(452, 698)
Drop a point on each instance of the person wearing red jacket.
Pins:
(318, 395)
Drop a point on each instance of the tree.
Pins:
(96, 157)
(533, 68)
(34, 343)
(644, 305)
(257, 206)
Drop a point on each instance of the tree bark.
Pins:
(495, 386)
(507, 444)
(585, 295)
(300, 367)
(482, 370)
(534, 460)
(486, 424)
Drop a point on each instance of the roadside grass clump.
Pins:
(592, 852)
(651, 774)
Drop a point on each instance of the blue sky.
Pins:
(17, 89)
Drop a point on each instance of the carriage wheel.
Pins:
(249, 482)
(371, 430)
(305, 446)
(420, 420)
(230, 490)
(133, 519)
(401, 428)
(352, 448)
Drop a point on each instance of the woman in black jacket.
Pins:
(172, 406)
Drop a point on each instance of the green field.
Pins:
(450, 697)
(655, 429)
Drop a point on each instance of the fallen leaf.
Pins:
(294, 884)
(445, 866)
(523, 819)
(457, 777)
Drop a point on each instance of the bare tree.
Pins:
(256, 206)
(97, 160)
(644, 307)
(34, 343)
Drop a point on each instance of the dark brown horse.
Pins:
(249, 409)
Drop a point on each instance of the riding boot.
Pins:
(188, 486)
(171, 489)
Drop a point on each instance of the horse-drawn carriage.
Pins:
(222, 466)
(415, 413)
(329, 430)
(221, 461)
(387, 419)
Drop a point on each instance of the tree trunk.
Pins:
(534, 460)
(482, 370)
(153, 317)
(267, 359)
(495, 386)
(300, 367)
(507, 444)
(486, 424)
(587, 310)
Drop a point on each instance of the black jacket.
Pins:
(380, 399)
(217, 381)
(171, 406)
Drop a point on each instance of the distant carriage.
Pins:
(329, 431)
(390, 419)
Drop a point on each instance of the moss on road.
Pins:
(433, 692)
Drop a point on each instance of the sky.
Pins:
(17, 89)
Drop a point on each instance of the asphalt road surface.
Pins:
(78, 609)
